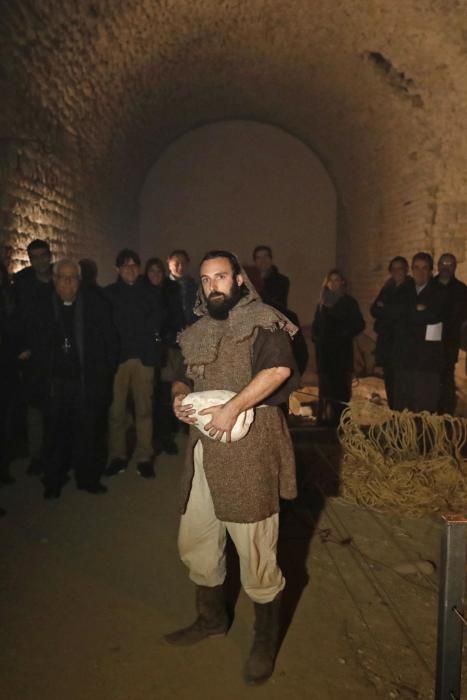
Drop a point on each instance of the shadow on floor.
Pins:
(317, 454)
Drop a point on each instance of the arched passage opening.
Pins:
(236, 184)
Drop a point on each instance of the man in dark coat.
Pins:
(8, 374)
(456, 314)
(273, 287)
(31, 286)
(138, 315)
(72, 345)
(382, 311)
(178, 263)
(420, 309)
(165, 424)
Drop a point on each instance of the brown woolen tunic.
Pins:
(246, 478)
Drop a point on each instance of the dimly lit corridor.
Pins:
(333, 131)
(94, 92)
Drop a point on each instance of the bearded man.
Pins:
(242, 345)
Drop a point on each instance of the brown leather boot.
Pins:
(212, 618)
(260, 663)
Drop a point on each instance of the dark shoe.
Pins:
(35, 467)
(212, 618)
(169, 447)
(260, 663)
(96, 488)
(116, 466)
(146, 470)
(51, 492)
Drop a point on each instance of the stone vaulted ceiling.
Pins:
(377, 88)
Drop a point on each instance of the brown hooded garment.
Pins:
(246, 478)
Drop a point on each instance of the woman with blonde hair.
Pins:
(337, 321)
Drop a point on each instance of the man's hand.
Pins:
(222, 421)
(25, 355)
(420, 307)
(183, 413)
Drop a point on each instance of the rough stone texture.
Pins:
(376, 89)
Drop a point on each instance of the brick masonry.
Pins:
(94, 91)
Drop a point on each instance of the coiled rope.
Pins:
(403, 462)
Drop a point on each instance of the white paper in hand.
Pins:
(434, 331)
(204, 399)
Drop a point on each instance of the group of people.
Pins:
(83, 354)
(83, 357)
(87, 351)
(418, 326)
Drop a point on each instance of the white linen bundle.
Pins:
(204, 399)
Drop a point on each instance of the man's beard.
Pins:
(219, 304)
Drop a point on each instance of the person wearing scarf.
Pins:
(241, 345)
(337, 321)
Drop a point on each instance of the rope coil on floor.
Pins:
(403, 462)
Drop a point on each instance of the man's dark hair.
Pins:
(399, 259)
(127, 254)
(448, 255)
(426, 257)
(179, 251)
(38, 244)
(212, 254)
(262, 248)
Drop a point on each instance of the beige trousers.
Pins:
(202, 538)
(133, 378)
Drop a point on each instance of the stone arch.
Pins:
(238, 183)
(105, 86)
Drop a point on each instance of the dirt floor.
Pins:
(89, 584)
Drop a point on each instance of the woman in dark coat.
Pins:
(336, 323)
(165, 423)
(384, 311)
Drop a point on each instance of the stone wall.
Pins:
(377, 89)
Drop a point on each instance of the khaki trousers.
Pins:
(133, 378)
(202, 538)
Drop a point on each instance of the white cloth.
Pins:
(204, 399)
(434, 331)
(202, 539)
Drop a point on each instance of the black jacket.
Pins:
(96, 342)
(275, 290)
(26, 286)
(456, 314)
(333, 330)
(384, 312)
(138, 314)
(175, 319)
(9, 348)
(29, 294)
(188, 289)
(411, 349)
